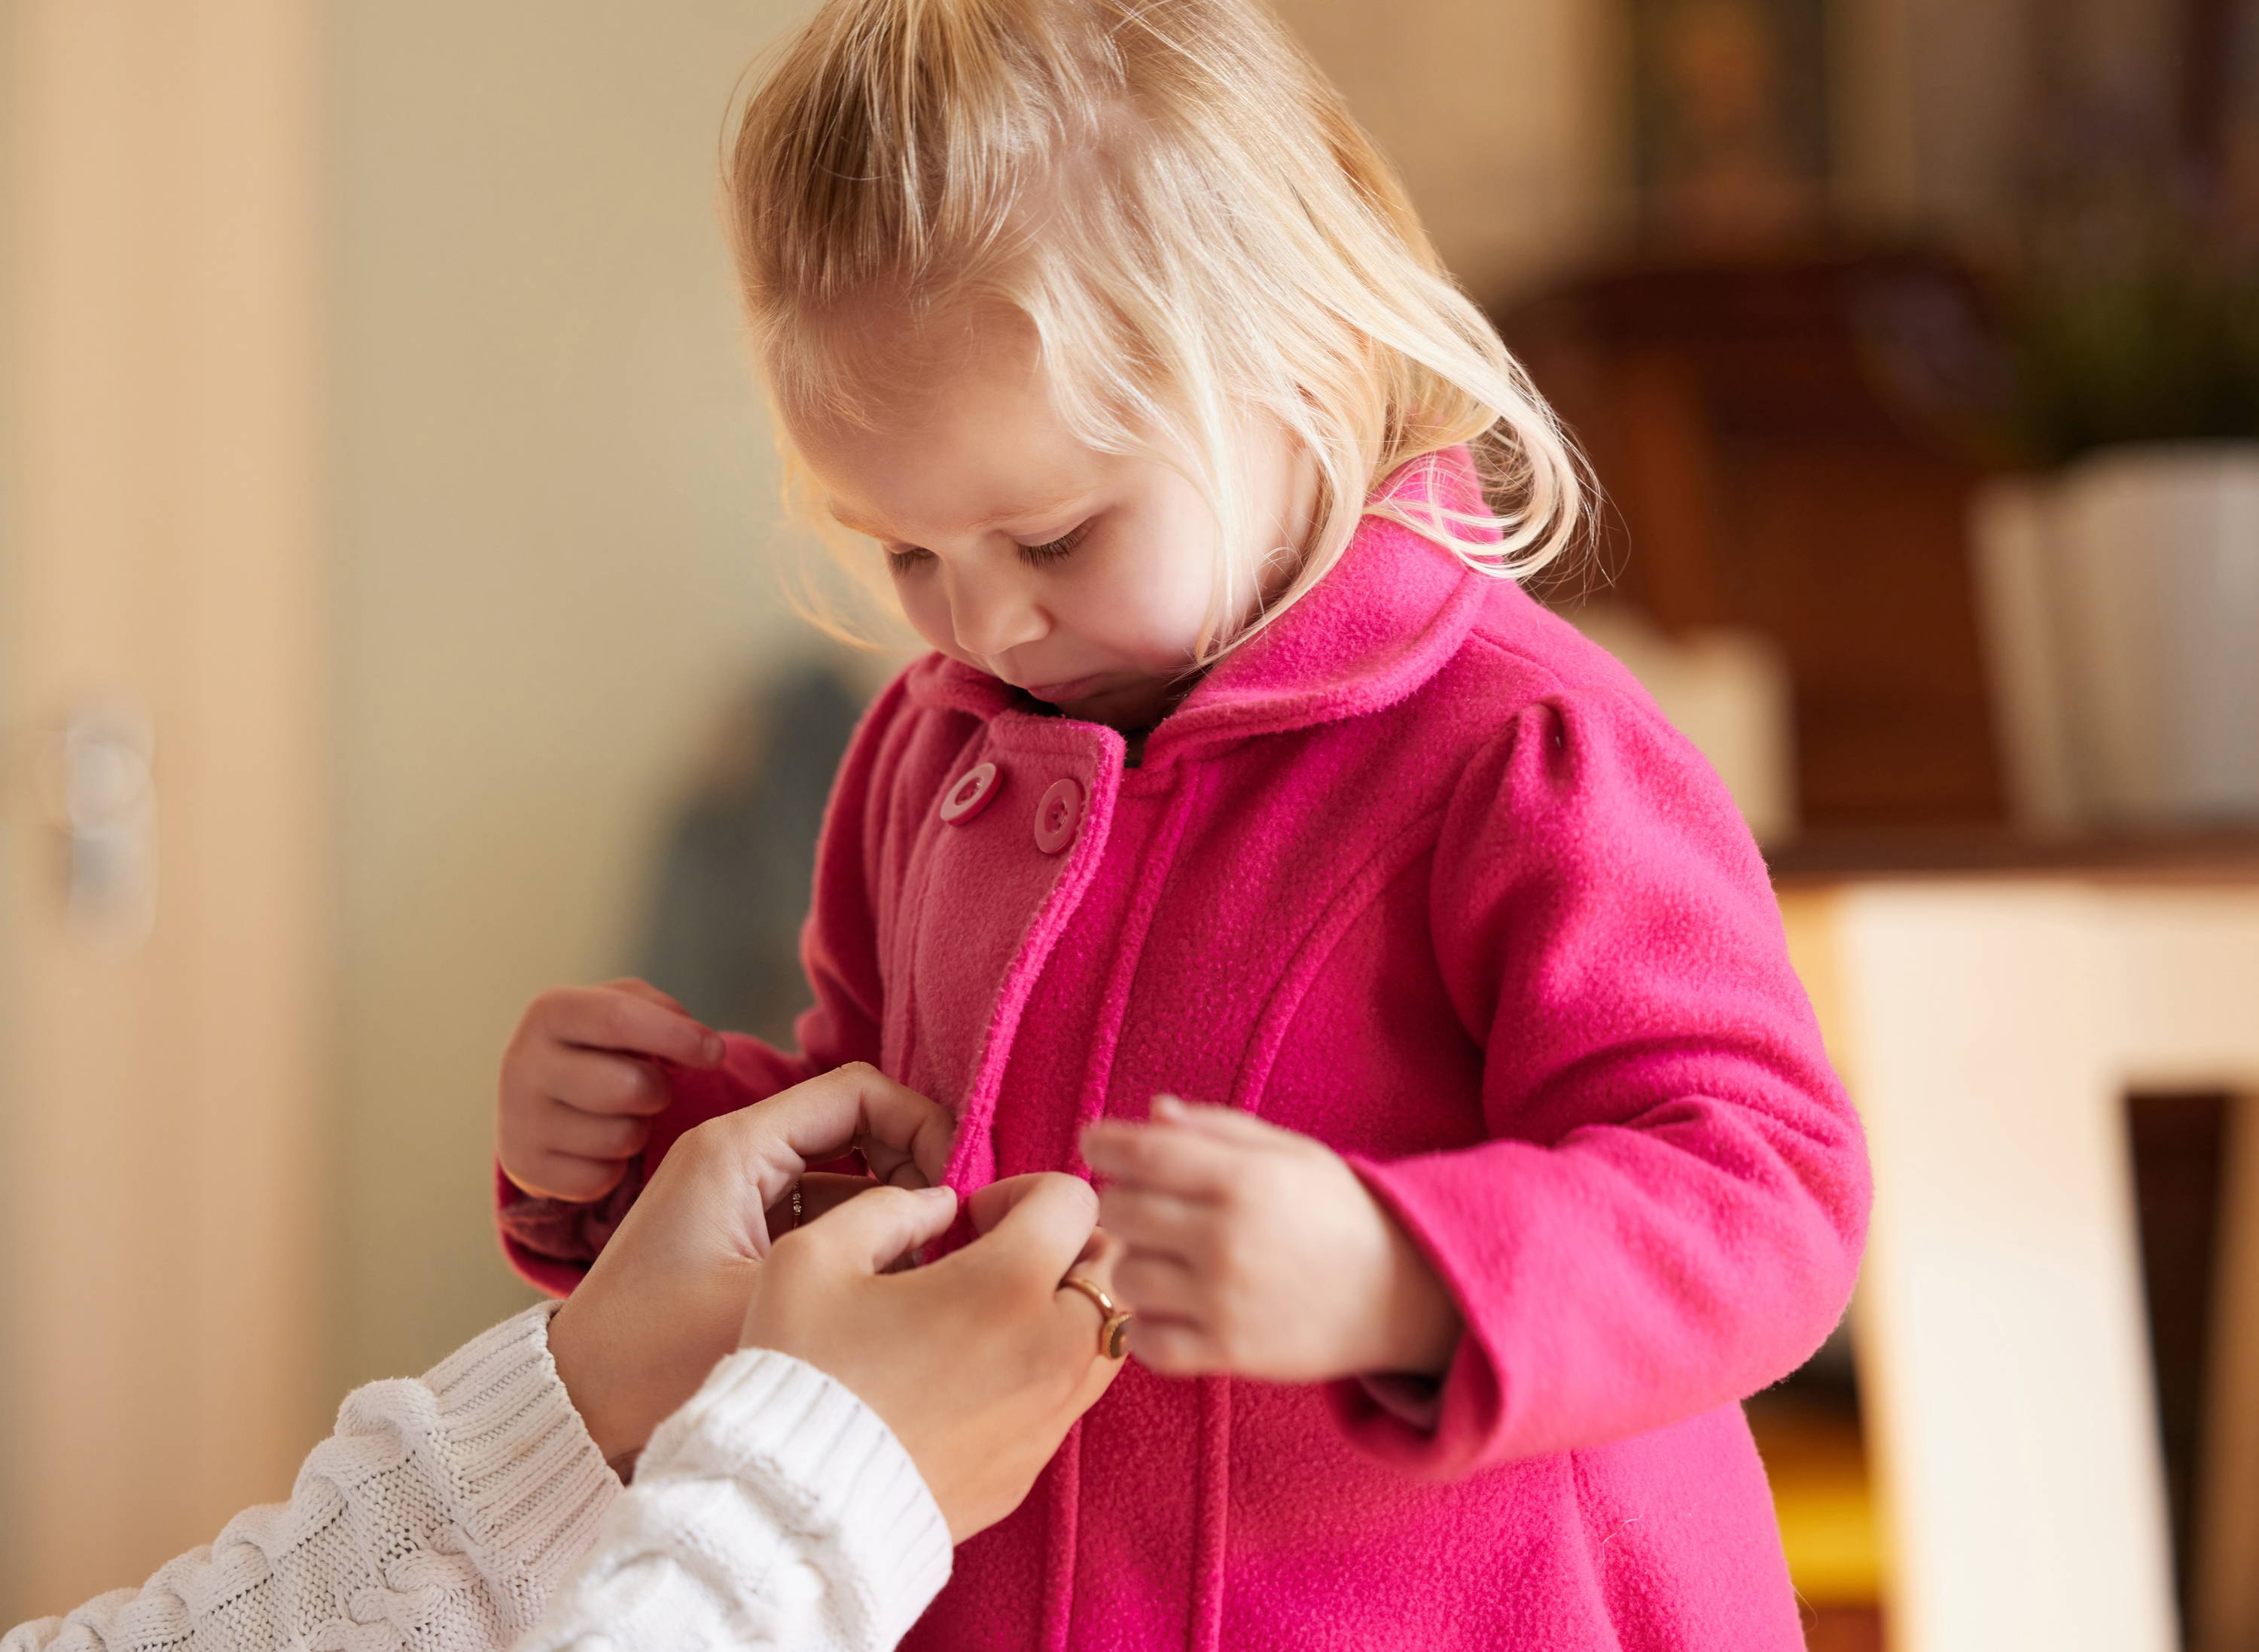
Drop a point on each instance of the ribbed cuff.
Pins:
(816, 1452)
(533, 1486)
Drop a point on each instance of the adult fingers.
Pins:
(869, 1233)
(1191, 1164)
(606, 1018)
(1034, 1226)
(821, 1192)
(1152, 1221)
(596, 1081)
(823, 1117)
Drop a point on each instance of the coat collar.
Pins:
(1382, 621)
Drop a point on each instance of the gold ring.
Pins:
(796, 1205)
(1114, 1332)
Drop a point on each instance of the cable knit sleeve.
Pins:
(551, 1242)
(773, 1510)
(442, 1513)
(454, 1513)
(1670, 1213)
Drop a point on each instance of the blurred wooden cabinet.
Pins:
(164, 1003)
(1779, 446)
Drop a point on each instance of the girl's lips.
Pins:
(1074, 688)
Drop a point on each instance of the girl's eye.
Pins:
(1051, 551)
(907, 558)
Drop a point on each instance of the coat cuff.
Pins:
(531, 1484)
(1454, 1433)
(551, 1242)
(813, 1451)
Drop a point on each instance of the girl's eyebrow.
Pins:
(1031, 508)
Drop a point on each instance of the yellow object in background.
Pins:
(1822, 1497)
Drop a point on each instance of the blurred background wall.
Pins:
(551, 497)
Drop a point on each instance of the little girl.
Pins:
(1245, 771)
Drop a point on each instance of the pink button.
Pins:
(971, 793)
(1058, 815)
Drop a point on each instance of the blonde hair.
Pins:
(1175, 199)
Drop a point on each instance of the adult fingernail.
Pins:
(712, 1047)
(1168, 1106)
(935, 1195)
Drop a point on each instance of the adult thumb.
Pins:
(873, 1229)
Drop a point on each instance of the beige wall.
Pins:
(553, 499)
(1504, 117)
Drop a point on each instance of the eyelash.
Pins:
(1033, 555)
(1052, 550)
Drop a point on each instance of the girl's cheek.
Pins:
(928, 617)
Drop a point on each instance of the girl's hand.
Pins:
(1254, 1250)
(578, 1089)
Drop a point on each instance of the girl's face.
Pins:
(1079, 576)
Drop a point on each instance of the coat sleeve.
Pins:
(1670, 1211)
(551, 1242)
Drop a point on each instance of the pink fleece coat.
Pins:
(1423, 874)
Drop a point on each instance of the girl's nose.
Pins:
(993, 617)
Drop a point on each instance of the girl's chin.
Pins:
(1129, 707)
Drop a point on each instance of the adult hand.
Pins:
(665, 1300)
(980, 1362)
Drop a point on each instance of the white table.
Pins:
(1989, 1022)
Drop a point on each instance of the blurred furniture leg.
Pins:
(1990, 1027)
(2227, 1580)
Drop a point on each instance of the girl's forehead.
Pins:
(883, 380)
(967, 459)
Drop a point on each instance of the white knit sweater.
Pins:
(471, 1510)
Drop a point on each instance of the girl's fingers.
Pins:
(1228, 1124)
(608, 1018)
(593, 1135)
(1146, 1220)
(645, 990)
(1162, 1286)
(595, 1082)
(579, 1181)
(1191, 1164)
(1171, 1348)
